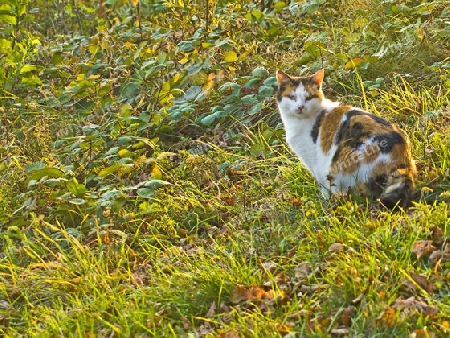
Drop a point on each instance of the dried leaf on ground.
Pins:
(319, 324)
(412, 304)
(336, 247)
(311, 288)
(439, 256)
(347, 315)
(358, 299)
(204, 329)
(212, 310)
(341, 331)
(387, 318)
(254, 292)
(422, 281)
(186, 323)
(422, 333)
(230, 334)
(302, 270)
(437, 235)
(423, 248)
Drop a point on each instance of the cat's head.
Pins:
(300, 96)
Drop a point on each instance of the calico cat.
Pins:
(345, 148)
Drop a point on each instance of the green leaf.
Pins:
(270, 81)
(31, 81)
(260, 72)
(265, 91)
(5, 44)
(145, 192)
(255, 109)
(124, 139)
(7, 18)
(254, 15)
(125, 153)
(46, 172)
(257, 149)
(56, 58)
(77, 201)
(227, 85)
(126, 110)
(84, 106)
(311, 8)
(209, 119)
(76, 188)
(192, 93)
(279, 5)
(155, 184)
(230, 56)
(252, 82)
(110, 170)
(250, 99)
(129, 90)
(195, 68)
(34, 166)
(27, 68)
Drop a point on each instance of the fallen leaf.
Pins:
(229, 334)
(212, 310)
(387, 318)
(358, 299)
(439, 256)
(183, 233)
(242, 293)
(423, 248)
(311, 288)
(296, 202)
(347, 315)
(353, 63)
(340, 331)
(239, 294)
(269, 266)
(319, 324)
(186, 323)
(283, 328)
(205, 328)
(437, 235)
(422, 281)
(336, 247)
(303, 270)
(413, 304)
(422, 333)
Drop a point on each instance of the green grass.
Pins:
(162, 279)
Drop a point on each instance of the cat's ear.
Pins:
(317, 78)
(283, 79)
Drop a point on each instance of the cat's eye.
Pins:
(292, 97)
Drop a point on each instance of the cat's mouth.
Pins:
(300, 109)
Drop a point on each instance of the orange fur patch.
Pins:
(370, 125)
(330, 125)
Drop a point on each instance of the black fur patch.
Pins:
(316, 126)
(387, 141)
(280, 91)
(377, 184)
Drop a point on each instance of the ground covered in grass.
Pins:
(146, 188)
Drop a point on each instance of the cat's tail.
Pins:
(399, 189)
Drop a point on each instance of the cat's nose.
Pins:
(300, 109)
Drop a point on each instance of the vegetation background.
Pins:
(146, 188)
